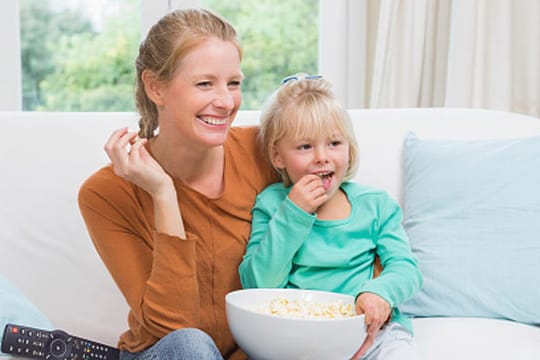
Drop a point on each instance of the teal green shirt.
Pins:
(290, 248)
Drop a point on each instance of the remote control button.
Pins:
(58, 347)
(38, 344)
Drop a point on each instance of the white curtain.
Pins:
(431, 53)
(494, 55)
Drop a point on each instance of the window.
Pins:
(78, 55)
(278, 39)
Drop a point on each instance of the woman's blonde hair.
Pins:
(304, 106)
(167, 43)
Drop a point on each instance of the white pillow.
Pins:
(472, 213)
(15, 308)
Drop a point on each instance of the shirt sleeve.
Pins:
(400, 277)
(154, 271)
(279, 228)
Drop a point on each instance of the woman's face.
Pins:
(200, 102)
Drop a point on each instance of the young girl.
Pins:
(316, 230)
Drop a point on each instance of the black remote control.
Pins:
(35, 343)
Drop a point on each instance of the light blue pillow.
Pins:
(16, 308)
(472, 213)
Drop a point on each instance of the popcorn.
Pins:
(306, 309)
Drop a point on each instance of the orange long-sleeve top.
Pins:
(172, 283)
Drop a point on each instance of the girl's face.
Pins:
(199, 104)
(326, 156)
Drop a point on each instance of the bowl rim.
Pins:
(233, 293)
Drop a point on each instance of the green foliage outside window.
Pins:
(68, 65)
(41, 28)
(278, 39)
(95, 72)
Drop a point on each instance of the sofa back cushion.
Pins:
(472, 212)
(46, 250)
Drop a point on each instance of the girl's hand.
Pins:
(377, 312)
(308, 193)
(131, 161)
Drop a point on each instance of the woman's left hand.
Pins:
(377, 312)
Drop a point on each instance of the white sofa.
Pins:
(47, 253)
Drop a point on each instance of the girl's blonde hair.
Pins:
(304, 106)
(167, 43)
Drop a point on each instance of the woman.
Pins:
(170, 216)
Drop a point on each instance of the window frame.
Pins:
(10, 61)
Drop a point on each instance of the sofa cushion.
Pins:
(472, 212)
(17, 309)
(453, 338)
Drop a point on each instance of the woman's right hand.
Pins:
(131, 161)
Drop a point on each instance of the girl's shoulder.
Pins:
(275, 190)
(273, 195)
(355, 190)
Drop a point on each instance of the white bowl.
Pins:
(263, 336)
